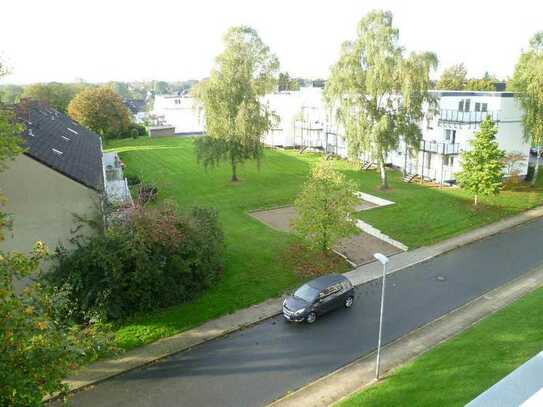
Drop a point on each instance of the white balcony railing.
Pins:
(447, 116)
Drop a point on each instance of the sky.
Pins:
(127, 40)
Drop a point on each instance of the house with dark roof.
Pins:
(59, 175)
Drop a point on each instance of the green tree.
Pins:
(101, 110)
(527, 81)
(57, 95)
(10, 93)
(487, 82)
(379, 92)
(235, 119)
(453, 78)
(285, 82)
(325, 207)
(482, 164)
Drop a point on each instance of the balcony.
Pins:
(439, 148)
(458, 118)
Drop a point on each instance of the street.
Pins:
(259, 364)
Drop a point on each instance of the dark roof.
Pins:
(135, 105)
(326, 280)
(58, 142)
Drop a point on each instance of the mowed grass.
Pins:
(255, 266)
(457, 371)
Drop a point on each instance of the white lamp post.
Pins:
(381, 258)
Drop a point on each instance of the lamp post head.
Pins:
(381, 258)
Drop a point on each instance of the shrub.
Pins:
(133, 179)
(157, 257)
(147, 193)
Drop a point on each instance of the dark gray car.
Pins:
(318, 297)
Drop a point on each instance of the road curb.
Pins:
(359, 374)
(142, 356)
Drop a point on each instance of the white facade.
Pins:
(180, 112)
(304, 121)
(449, 132)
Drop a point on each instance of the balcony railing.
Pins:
(457, 117)
(439, 148)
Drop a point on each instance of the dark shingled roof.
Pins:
(135, 105)
(58, 142)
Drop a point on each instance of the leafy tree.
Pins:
(10, 93)
(482, 165)
(57, 95)
(527, 81)
(285, 82)
(101, 110)
(120, 88)
(487, 82)
(378, 91)
(325, 207)
(161, 87)
(453, 78)
(235, 119)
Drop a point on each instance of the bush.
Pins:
(133, 180)
(147, 193)
(156, 258)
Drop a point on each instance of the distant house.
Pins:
(137, 108)
(60, 174)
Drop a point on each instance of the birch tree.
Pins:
(527, 81)
(235, 118)
(377, 91)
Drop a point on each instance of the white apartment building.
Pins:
(449, 132)
(304, 121)
(180, 112)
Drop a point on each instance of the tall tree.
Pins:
(527, 81)
(453, 78)
(487, 82)
(482, 164)
(325, 207)
(285, 82)
(101, 110)
(235, 119)
(57, 95)
(379, 92)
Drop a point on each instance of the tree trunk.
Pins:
(536, 168)
(475, 200)
(383, 173)
(234, 174)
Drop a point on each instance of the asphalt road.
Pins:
(257, 365)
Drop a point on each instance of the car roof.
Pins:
(326, 281)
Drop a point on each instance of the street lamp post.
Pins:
(381, 258)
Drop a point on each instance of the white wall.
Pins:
(182, 112)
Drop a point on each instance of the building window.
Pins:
(477, 107)
(461, 106)
(450, 135)
(466, 105)
(484, 107)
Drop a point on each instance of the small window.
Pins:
(448, 134)
(66, 138)
(484, 107)
(57, 152)
(461, 106)
(466, 105)
(477, 107)
(72, 130)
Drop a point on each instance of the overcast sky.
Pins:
(102, 40)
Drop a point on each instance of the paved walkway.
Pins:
(144, 355)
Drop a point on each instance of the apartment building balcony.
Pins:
(459, 118)
(439, 147)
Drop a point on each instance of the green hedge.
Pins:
(155, 258)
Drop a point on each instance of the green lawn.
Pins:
(458, 370)
(255, 268)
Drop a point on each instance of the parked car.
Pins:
(318, 297)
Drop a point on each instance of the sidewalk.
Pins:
(103, 370)
(359, 374)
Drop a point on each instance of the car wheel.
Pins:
(349, 301)
(311, 317)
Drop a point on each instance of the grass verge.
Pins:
(455, 372)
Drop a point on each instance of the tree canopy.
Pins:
(527, 81)
(483, 163)
(57, 95)
(453, 78)
(378, 91)
(101, 110)
(235, 118)
(325, 207)
(285, 82)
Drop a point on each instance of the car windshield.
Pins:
(307, 293)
